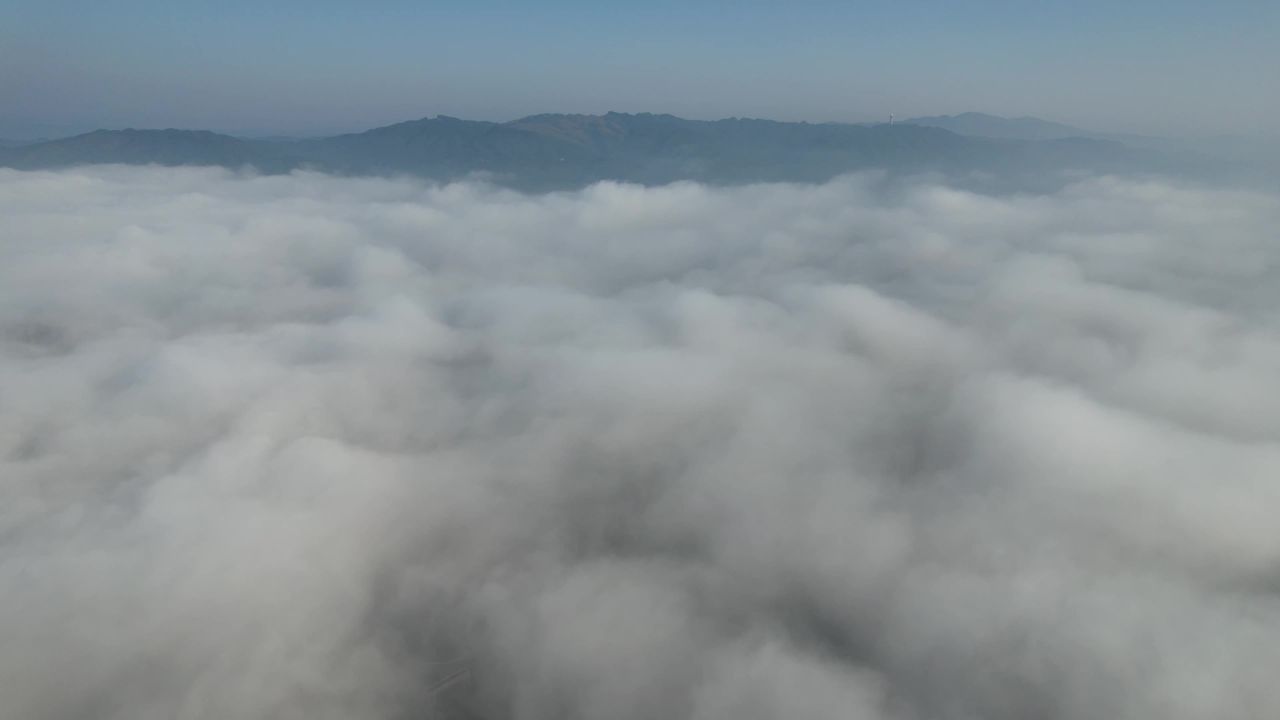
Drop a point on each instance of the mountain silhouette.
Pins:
(552, 151)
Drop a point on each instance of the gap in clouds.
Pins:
(315, 447)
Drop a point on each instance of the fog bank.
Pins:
(310, 447)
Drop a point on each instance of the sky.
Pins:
(294, 67)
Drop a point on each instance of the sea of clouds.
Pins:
(369, 449)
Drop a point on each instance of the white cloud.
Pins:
(312, 447)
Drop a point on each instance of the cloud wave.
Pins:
(313, 447)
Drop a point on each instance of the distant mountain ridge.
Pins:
(553, 151)
(161, 147)
(993, 126)
(1256, 157)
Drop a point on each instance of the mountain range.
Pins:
(993, 126)
(555, 151)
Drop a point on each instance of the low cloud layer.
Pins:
(309, 447)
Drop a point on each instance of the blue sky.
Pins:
(297, 67)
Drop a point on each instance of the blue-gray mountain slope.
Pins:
(563, 151)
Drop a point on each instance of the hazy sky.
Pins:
(318, 66)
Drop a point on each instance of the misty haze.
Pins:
(480, 361)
